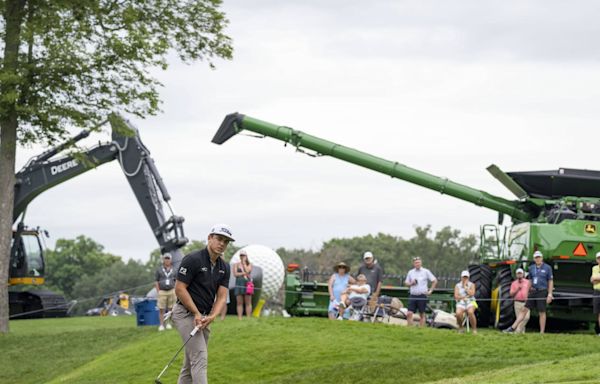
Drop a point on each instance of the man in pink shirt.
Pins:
(519, 290)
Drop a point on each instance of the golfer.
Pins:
(202, 276)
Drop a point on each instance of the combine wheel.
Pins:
(481, 275)
(505, 310)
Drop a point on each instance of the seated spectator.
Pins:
(359, 290)
(338, 282)
(464, 294)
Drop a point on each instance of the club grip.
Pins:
(194, 331)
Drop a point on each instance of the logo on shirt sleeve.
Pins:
(183, 271)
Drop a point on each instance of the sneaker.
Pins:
(340, 317)
(161, 328)
(509, 330)
(168, 326)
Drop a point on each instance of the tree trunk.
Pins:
(9, 88)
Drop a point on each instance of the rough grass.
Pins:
(297, 350)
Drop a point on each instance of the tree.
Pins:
(133, 278)
(72, 62)
(74, 260)
(446, 252)
(155, 255)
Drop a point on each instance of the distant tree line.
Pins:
(82, 270)
(446, 252)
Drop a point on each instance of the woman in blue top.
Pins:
(338, 282)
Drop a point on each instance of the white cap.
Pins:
(167, 256)
(597, 255)
(368, 255)
(520, 270)
(223, 230)
(465, 274)
(537, 254)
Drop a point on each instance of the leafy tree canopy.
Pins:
(78, 60)
(75, 260)
(445, 252)
(133, 278)
(192, 246)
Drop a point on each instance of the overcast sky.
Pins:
(447, 87)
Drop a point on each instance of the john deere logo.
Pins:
(590, 228)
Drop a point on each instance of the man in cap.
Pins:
(595, 280)
(373, 272)
(519, 291)
(165, 287)
(202, 289)
(418, 280)
(540, 293)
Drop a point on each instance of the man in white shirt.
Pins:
(418, 280)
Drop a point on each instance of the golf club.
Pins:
(157, 380)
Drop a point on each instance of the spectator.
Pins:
(464, 294)
(418, 280)
(338, 282)
(595, 279)
(165, 287)
(519, 291)
(361, 289)
(540, 293)
(242, 271)
(373, 272)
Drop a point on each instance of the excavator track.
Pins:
(37, 305)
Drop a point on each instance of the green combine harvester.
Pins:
(555, 212)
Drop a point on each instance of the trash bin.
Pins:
(147, 312)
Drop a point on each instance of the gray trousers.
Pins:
(195, 360)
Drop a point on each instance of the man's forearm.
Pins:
(184, 297)
(218, 306)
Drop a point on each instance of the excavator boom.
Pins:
(49, 169)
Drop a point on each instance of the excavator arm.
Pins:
(47, 170)
(54, 167)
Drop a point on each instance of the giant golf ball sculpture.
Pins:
(267, 271)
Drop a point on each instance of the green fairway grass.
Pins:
(296, 350)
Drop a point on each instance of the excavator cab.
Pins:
(26, 258)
